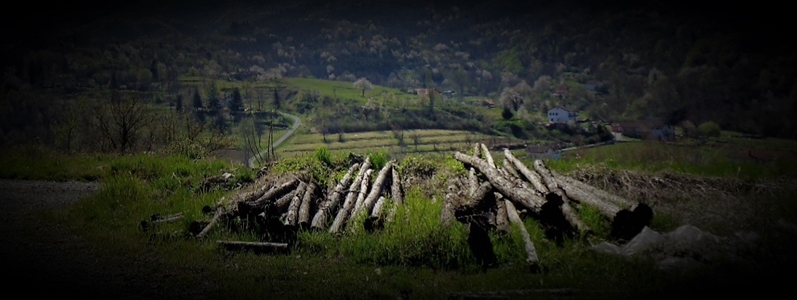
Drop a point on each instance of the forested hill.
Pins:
(621, 59)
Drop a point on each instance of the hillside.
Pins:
(620, 60)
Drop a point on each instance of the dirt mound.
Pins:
(725, 204)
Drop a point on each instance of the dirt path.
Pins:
(296, 123)
(41, 257)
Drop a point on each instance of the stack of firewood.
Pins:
(491, 196)
(281, 206)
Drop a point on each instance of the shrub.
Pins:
(709, 129)
(324, 156)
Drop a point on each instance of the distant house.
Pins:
(561, 114)
(422, 92)
(651, 129)
(488, 103)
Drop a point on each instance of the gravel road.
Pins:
(41, 257)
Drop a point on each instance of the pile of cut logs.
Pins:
(282, 206)
(490, 198)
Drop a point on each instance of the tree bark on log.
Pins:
(375, 219)
(523, 197)
(475, 199)
(624, 224)
(570, 213)
(531, 251)
(348, 204)
(358, 205)
(376, 188)
(293, 209)
(501, 217)
(449, 205)
(304, 208)
(212, 222)
(396, 194)
(628, 217)
(530, 175)
(256, 246)
(283, 202)
(510, 169)
(487, 156)
(280, 190)
(324, 210)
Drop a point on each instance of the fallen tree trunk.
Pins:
(255, 246)
(531, 251)
(570, 213)
(304, 208)
(325, 209)
(628, 217)
(530, 175)
(212, 222)
(348, 204)
(523, 197)
(624, 224)
(158, 219)
(376, 188)
(509, 169)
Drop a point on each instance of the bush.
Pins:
(709, 129)
(323, 155)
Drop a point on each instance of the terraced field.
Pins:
(431, 140)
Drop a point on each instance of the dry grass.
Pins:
(722, 205)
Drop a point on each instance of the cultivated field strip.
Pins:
(379, 135)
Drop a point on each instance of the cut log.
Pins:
(293, 209)
(283, 202)
(530, 175)
(449, 206)
(568, 211)
(487, 156)
(376, 188)
(325, 209)
(624, 224)
(375, 219)
(304, 208)
(348, 204)
(475, 199)
(158, 219)
(396, 190)
(212, 222)
(477, 150)
(531, 251)
(501, 217)
(254, 246)
(273, 193)
(396, 194)
(523, 197)
(510, 169)
(358, 205)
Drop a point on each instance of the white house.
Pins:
(560, 114)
